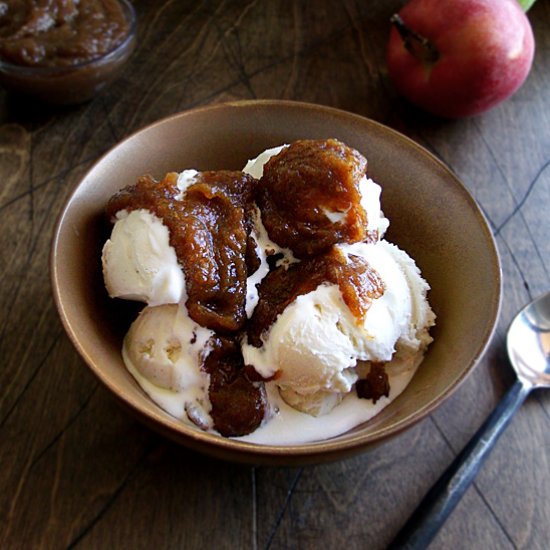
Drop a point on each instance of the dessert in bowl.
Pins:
(448, 238)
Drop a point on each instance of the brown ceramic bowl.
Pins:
(432, 216)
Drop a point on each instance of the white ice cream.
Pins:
(315, 343)
(403, 310)
(308, 346)
(138, 261)
(255, 166)
(370, 201)
(163, 350)
(185, 179)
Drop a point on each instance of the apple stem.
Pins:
(416, 44)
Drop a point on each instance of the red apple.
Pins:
(459, 57)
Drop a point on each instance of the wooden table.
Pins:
(77, 471)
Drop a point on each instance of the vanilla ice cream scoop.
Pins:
(305, 348)
(314, 345)
(402, 314)
(164, 350)
(138, 261)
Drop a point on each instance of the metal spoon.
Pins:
(528, 344)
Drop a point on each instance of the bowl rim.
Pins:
(312, 452)
(29, 70)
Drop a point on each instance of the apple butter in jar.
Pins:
(64, 51)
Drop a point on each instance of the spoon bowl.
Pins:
(528, 343)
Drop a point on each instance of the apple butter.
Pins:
(238, 403)
(310, 198)
(376, 383)
(55, 33)
(209, 230)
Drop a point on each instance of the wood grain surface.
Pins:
(76, 471)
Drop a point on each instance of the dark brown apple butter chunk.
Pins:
(238, 404)
(375, 385)
(310, 198)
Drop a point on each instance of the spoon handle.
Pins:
(442, 498)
